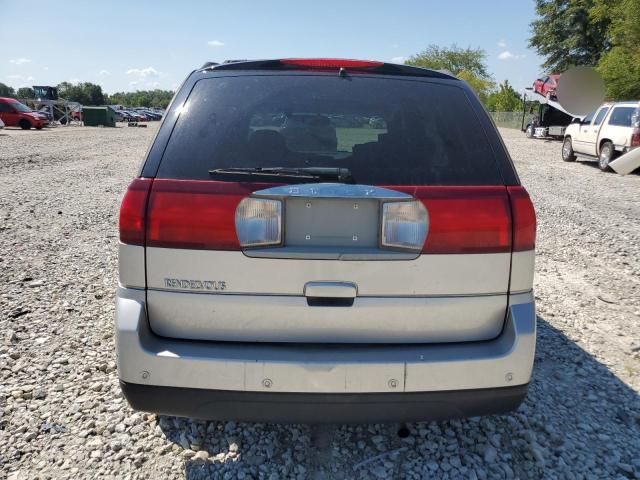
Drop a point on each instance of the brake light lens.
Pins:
(465, 219)
(404, 225)
(132, 219)
(194, 214)
(330, 63)
(259, 222)
(524, 219)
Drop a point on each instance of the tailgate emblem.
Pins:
(217, 285)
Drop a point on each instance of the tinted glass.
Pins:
(621, 116)
(588, 118)
(4, 108)
(385, 131)
(601, 114)
(21, 107)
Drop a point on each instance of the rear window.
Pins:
(622, 116)
(385, 131)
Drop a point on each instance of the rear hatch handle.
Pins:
(330, 294)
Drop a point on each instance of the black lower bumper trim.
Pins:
(322, 407)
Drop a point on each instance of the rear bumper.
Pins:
(280, 382)
(322, 407)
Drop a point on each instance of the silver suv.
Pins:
(323, 240)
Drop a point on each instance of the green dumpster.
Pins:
(95, 116)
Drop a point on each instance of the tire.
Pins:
(39, 128)
(567, 151)
(529, 131)
(24, 124)
(607, 154)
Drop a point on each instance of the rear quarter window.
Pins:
(622, 116)
(385, 131)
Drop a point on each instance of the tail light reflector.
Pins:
(259, 222)
(465, 219)
(404, 225)
(217, 215)
(132, 212)
(524, 219)
(194, 214)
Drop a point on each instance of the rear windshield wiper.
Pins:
(341, 175)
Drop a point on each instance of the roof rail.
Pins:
(328, 65)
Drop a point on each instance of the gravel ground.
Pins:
(62, 414)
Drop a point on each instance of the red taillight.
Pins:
(330, 63)
(466, 219)
(132, 211)
(194, 214)
(524, 219)
(635, 137)
(201, 215)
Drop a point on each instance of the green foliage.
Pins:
(505, 99)
(142, 98)
(6, 91)
(454, 59)
(466, 63)
(568, 34)
(25, 92)
(86, 93)
(620, 66)
(481, 86)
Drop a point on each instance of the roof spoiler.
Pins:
(326, 64)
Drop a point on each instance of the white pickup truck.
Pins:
(611, 130)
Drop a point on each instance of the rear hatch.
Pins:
(317, 207)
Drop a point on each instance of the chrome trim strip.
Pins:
(332, 190)
(253, 294)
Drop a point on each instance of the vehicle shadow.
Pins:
(575, 405)
(594, 164)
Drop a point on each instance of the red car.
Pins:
(547, 85)
(16, 114)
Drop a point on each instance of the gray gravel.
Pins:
(62, 414)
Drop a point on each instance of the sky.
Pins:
(127, 46)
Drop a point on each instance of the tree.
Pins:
(6, 91)
(142, 98)
(466, 63)
(505, 99)
(620, 66)
(454, 59)
(567, 34)
(25, 92)
(86, 93)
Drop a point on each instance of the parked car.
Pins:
(127, 116)
(16, 114)
(46, 113)
(117, 112)
(546, 86)
(154, 115)
(384, 277)
(609, 131)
